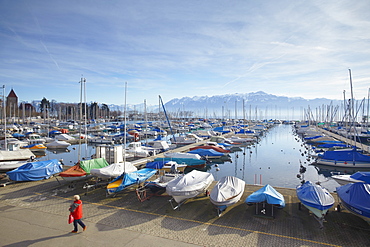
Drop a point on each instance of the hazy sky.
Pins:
(183, 48)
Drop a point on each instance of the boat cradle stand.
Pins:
(265, 210)
(174, 207)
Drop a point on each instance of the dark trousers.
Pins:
(79, 221)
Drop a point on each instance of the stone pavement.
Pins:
(36, 213)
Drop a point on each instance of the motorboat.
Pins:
(349, 158)
(138, 150)
(57, 145)
(266, 195)
(159, 184)
(10, 165)
(227, 191)
(34, 171)
(169, 166)
(16, 155)
(216, 148)
(188, 186)
(189, 162)
(36, 147)
(113, 170)
(315, 198)
(355, 197)
(182, 155)
(208, 153)
(358, 177)
(129, 179)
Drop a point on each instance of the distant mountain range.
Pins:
(256, 105)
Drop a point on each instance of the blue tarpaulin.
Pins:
(345, 155)
(34, 171)
(363, 176)
(315, 196)
(188, 161)
(155, 164)
(266, 194)
(356, 198)
(131, 178)
(206, 152)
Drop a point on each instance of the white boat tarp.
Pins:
(182, 155)
(227, 191)
(57, 144)
(23, 154)
(190, 185)
(114, 170)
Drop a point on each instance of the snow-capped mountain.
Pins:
(255, 103)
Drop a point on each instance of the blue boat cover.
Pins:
(315, 196)
(267, 194)
(188, 161)
(363, 176)
(332, 145)
(313, 137)
(34, 171)
(18, 135)
(155, 164)
(356, 198)
(345, 155)
(206, 152)
(135, 177)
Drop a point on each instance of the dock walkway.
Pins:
(346, 140)
(35, 214)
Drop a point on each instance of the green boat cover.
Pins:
(87, 165)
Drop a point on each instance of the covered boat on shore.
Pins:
(129, 179)
(226, 192)
(82, 169)
(113, 170)
(34, 171)
(316, 199)
(188, 186)
(356, 198)
(267, 195)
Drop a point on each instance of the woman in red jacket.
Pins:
(77, 213)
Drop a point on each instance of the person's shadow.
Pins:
(30, 242)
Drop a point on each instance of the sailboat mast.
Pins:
(125, 130)
(4, 113)
(80, 121)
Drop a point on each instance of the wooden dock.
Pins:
(359, 145)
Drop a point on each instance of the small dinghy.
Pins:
(266, 195)
(129, 179)
(226, 192)
(82, 169)
(188, 186)
(316, 199)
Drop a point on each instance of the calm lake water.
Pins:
(274, 160)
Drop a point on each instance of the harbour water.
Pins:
(275, 159)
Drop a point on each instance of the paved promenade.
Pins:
(35, 214)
